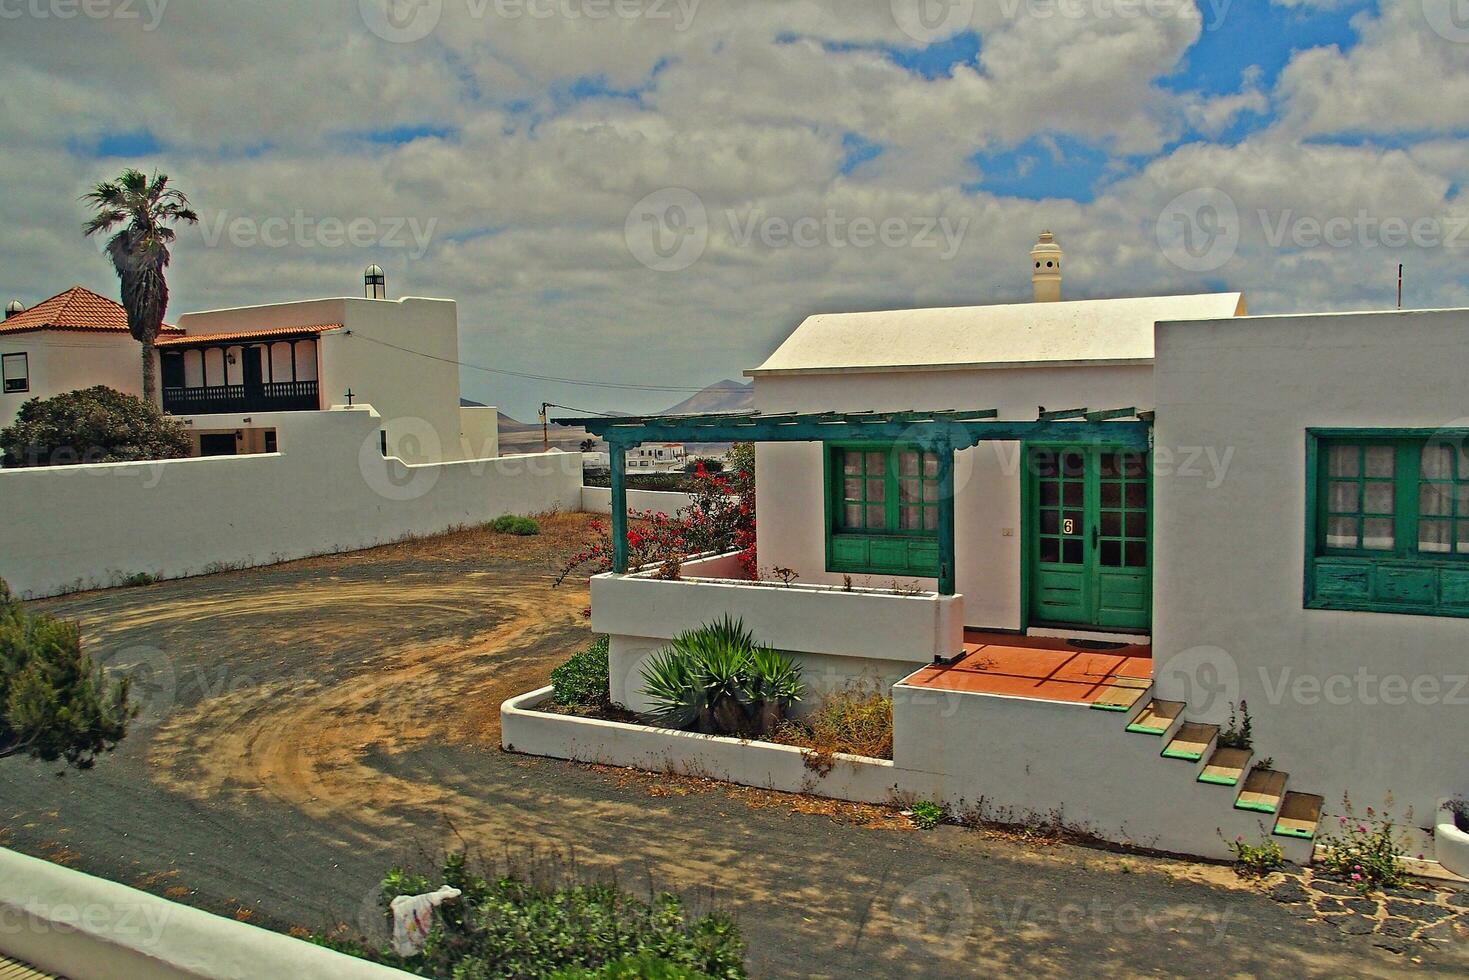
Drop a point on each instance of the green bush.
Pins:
(1256, 860)
(717, 679)
(641, 967)
(54, 702)
(524, 527)
(584, 679)
(94, 425)
(510, 926)
(927, 814)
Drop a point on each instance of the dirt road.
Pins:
(308, 725)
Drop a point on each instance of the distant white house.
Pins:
(230, 373)
(658, 456)
(1071, 536)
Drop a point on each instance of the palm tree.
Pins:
(139, 251)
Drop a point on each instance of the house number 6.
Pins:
(1068, 526)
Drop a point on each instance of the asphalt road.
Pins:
(307, 726)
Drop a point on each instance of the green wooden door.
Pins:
(1089, 528)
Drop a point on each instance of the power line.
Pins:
(545, 377)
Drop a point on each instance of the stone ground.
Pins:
(308, 725)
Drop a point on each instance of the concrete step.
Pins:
(1263, 791)
(1124, 694)
(1226, 767)
(1300, 815)
(1192, 742)
(1159, 718)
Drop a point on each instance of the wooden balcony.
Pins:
(279, 396)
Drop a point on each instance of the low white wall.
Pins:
(86, 928)
(778, 767)
(598, 500)
(328, 489)
(799, 619)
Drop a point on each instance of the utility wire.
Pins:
(544, 377)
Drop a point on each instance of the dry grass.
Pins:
(562, 534)
(857, 720)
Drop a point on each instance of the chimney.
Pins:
(15, 306)
(374, 283)
(1046, 276)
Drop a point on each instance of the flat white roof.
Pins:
(1014, 335)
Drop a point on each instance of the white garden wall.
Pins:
(598, 500)
(86, 928)
(1332, 693)
(328, 489)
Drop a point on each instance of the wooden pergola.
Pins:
(941, 433)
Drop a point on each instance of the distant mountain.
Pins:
(725, 396)
(466, 403)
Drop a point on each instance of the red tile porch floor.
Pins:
(1040, 667)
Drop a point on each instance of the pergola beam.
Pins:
(942, 433)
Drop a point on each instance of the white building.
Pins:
(658, 457)
(1071, 535)
(75, 339)
(231, 373)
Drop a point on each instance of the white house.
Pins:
(230, 374)
(1070, 536)
(75, 339)
(658, 456)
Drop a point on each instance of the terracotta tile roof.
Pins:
(194, 338)
(76, 309)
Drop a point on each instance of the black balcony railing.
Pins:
(279, 396)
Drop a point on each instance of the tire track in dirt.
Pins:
(304, 743)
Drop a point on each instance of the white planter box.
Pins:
(1450, 844)
(869, 625)
(759, 764)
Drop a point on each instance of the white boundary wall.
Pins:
(86, 928)
(328, 489)
(598, 500)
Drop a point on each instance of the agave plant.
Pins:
(715, 677)
(671, 681)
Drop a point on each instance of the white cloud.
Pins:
(529, 191)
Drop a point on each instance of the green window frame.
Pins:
(1388, 521)
(882, 504)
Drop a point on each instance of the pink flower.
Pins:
(1356, 877)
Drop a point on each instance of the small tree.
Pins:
(55, 703)
(140, 250)
(94, 425)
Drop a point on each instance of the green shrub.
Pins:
(512, 926)
(1256, 860)
(644, 966)
(1366, 851)
(1240, 732)
(927, 814)
(55, 703)
(524, 527)
(94, 425)
(717, 679)
(584, 679)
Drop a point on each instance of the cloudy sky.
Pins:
(654, 192)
